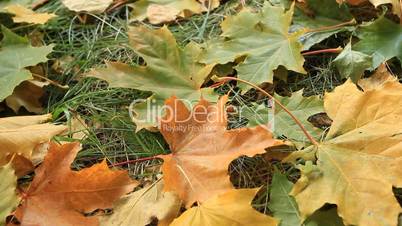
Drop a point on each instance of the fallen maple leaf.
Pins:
(381, 39)
(91, 6)
(15, 54)
(23, 134)
(25, 15)
(65, 194)
(140, 207)
(264, 40)
(202, 149)
(359, 161)
(8, 195)
(169, 71)
(231, 208)
(168, 10)
(352, 64)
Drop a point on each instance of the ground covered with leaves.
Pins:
(271, 112)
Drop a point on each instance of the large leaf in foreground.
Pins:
(15, 54)
(8, 195)
(159, 11)
(170, 70)
(66, 194)
(202, 149)
(231, 208)
(264, 40)
(359, 161)
(381, 39)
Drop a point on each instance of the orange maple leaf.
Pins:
(202, 148)
(60, 196)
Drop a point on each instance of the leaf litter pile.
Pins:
(269, 113)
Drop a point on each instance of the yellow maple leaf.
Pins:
(231, 208)
(25, 15)
(359, 161)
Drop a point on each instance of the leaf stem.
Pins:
(351, 22)
(309, 137)
(314, 52)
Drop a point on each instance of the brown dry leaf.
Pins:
(22, 135)
(381, 76)
(140, 207)
(231, 208)
(359, 162)
(60, 196)
(202, 148)
(27, 95)
(25, 15)
(396, 4)
(91, 6)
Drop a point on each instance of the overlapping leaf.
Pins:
(284, 206)
(8, 195)
(359, 161)
(321, 19)
(282, 124)
(170, 70)
(381, 39)
(264, 40)
(66, 194)
(140, 207)
(15, 54)
(23, 134)
(157, 11)
(352, 64)
(231, 208)
(202, 149)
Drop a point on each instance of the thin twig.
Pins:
(135, 160)
(314, 52)
(312, 140)
(50, 81)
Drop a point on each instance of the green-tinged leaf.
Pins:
(302, 108)
(316, 14)
(169, 71)
(8, 195)
(142, 206)
(15, 54)
(352, 64)
(282, 124)
(382, 39)
(159, 11)
(264, 40)
(359, 161)
(326, 217)
(283, 206)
